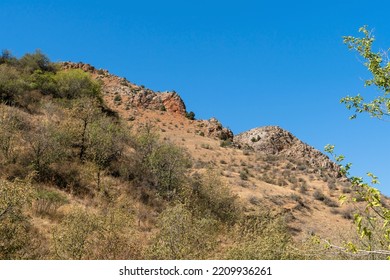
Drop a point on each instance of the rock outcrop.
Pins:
(213, 128)
(131, 94)
(273, 140)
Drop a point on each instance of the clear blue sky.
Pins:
(248, 63)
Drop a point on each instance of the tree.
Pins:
(9, 128)
(105, 143)
(35, 61)
(7, 57)
(12, 84)
(45, 147)
(85, 111)
(376, 241)
(379, 65)
(168, 164)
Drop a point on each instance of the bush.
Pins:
(243, 175)
(190, 115)
(226, 143)
(326, 200)
(12, 85)
(31, 62)
(211, 197)
(76, 83)
(183, 236)
(168, 165)
(15, 228)
(318, 195)
(74, 237)
(262, 237)
(117, 98)
(45, 82)
(48, 201)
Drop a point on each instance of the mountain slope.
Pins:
(266, 167)
(112, 162)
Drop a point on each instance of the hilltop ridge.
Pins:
(129, 94)
(274, 140)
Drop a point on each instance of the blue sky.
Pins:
(248, 63)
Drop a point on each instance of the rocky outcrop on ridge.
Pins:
(273, 140)
(132, 95)
(213, 128)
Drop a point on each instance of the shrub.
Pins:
(226, 143)
(182, 236)
(48, 201)
(190, 115)
(117, 98)
(243, 175)
(332, 185)
(12, 85)
(15, 228)
(45, 82)
(206, 146)
(76, 83)
(31, 62)
(263, 237)
(318, 195)
(331, 203)
(73, 238)
(211, 197)
(255, 139)
(168, 164)
(303, 189)
(254, 200)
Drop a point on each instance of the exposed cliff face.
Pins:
(132, 95)
(273, 140)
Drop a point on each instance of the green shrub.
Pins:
(76, 83)
(168, 164)
(74, 237)
(117, 98)
(12, 85)
(31, 62)
(190, 115)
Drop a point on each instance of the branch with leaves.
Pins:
(373, 221)
(379, 66)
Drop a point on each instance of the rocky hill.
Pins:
(87, 153)
(273, 140)
(266, 166)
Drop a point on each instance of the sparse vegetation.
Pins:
(77, 182)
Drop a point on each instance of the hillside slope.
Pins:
(266, 167)
(96, 167)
